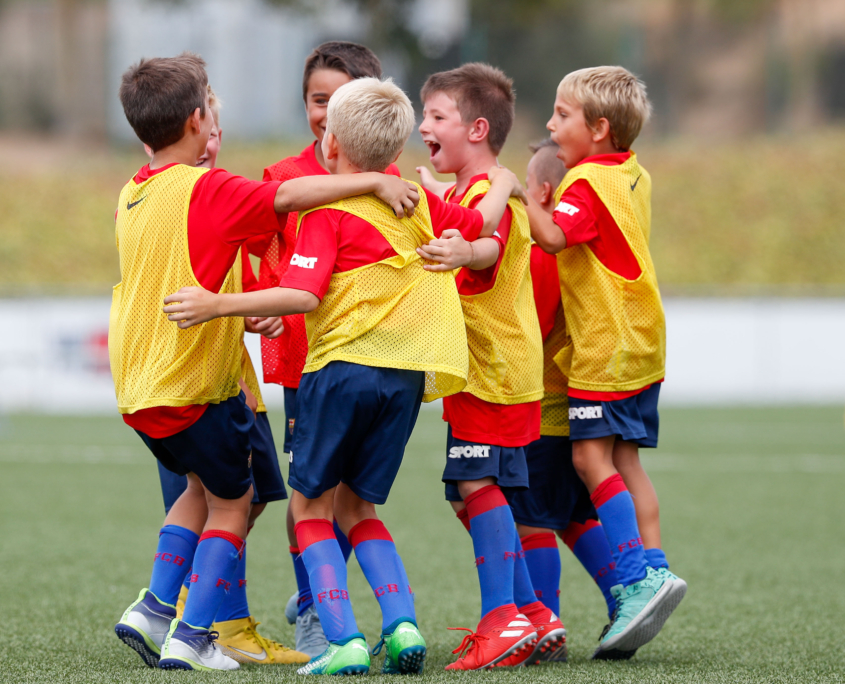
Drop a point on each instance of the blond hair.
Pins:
(613, 93)
(214, 104)
(372, 120)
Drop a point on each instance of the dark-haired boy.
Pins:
(468, 113)
(177, 225)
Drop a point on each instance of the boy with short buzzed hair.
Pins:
(615, 360)
(178, 224)
(385, 333)
(468, 113)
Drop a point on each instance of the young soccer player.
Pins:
(556, 501)
(468, 113)
(615, 362)
(384, 334)
(180, 224)
(239, 637)
(327, 68)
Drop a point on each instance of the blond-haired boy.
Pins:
(615, 360)
(385, 333)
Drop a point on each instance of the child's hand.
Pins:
(270, 327)
(507, 176)
(191, 306)
(430, 183)
(449, 251)
(399, 194)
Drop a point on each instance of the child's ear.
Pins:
(219, 135)
(479, 131)
(548, 193)
(601, 130)
(194, 122)
(329, 146)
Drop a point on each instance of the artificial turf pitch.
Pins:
(752, 509)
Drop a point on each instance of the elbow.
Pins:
(308, 302)
(551, 246)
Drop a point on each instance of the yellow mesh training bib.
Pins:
(153, 362)
(503, 331)
(617, 326)
(555, 403)
(393, 313)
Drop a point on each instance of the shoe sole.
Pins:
(138, 642)
(507, 654)
(613, 654)
(412, 660)
(552, 648)
(350, 670)
(657, 612)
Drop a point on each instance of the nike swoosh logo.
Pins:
(129, 205)
(254, 656)
(635, 182)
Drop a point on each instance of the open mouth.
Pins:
(433, 148)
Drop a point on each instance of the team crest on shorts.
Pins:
(291, 421)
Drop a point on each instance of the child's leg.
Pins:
(543, 561)
(378, 558)
(588, 543)
(626, 459)
(235, 605)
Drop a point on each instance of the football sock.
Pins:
(215, 561)
(304, 602)
(345, 546)
(523, 589)
(543, 560)
(174, 555)
(656, 559)
(235, 605)
(463, 516)
(589, 544)
(492, 531)
(383, 568)
(615, 507)
(327, 575)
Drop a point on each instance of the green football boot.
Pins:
(404, 650)
(353, 658)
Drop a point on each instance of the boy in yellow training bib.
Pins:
(615, 356)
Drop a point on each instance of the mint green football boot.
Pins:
(404, 650)
(353, 658)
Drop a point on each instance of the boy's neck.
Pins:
(182, 152)
(478, 164)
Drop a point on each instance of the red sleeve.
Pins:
(248, 279)
(393, 170)
(544, 280)
(575, 213)
(315, 253)
(446, 215)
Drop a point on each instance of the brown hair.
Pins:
(480, 92)
(160, 94)
(547, 167)
(352, 59)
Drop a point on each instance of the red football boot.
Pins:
(551, 635)
(502, 632)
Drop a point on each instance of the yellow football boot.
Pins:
(180, 602)
(240, 640)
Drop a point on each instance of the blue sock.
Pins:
(589, 544)
(235, 605)
(211, 577)
(618, 517)
(345, 546)
(304, 602)
(543, 561)
(656, 559)
(327, 575)
(492, 530)
(383, 568)
(523, 589)
(174, 555)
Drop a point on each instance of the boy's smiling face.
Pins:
(570, 131)
(445, 133)
(209, 158)
(321, 86)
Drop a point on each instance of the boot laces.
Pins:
(251, 632)
(470, 640)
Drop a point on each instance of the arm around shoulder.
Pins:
(544, 230)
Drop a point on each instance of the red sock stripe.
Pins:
(541, 540)
(463, 516)
(234, 539)
(367, 530)
(294, 550)
(607, 490)
(573, 532)
(485, 499)
(312, 531)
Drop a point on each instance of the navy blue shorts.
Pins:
(467, 461)
(634, 419)
(267, 480)
(217, 448)
(352, 425)
(290, 417)
(556, 496)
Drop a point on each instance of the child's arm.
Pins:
(430, 183)
(503, 185)
(451, 251)
(299, 194)
(193, 305)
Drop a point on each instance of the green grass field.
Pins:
(752, 518)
